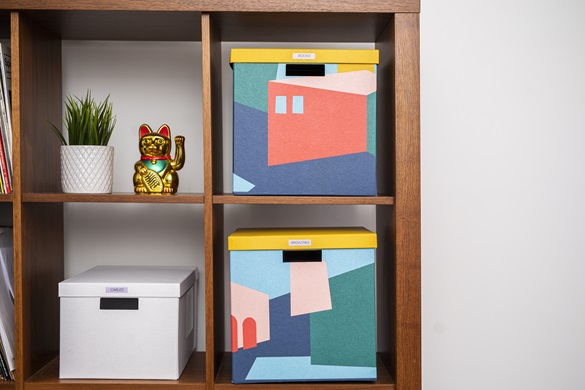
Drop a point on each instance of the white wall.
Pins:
(503, 189)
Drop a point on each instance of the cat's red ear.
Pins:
(144, 130)
(165, 131)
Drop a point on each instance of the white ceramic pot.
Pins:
(87, 169)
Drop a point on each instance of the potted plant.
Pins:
(87, 162)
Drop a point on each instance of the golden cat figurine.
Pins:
(156, 172)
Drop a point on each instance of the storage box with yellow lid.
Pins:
(302, 305)
(304, 122)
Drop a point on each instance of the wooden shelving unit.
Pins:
(36, 29)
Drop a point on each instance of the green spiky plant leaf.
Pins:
(86, 122)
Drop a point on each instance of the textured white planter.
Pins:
(87, 169)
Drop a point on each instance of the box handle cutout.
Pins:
(302, 256)
(118, 303)
(305, 70)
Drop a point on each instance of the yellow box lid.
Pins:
(317, 56)
(299, 239)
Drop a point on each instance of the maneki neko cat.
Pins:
(156, 172)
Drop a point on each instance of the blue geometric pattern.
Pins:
(351, 174)
(283, 329)
(336, 344)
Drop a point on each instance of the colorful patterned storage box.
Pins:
(304, 122)
(302, 305)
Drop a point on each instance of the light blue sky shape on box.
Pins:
(264, 271)
(300, 368)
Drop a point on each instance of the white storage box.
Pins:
(123, 322)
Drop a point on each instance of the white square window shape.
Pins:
(280, 105)
(298, 106)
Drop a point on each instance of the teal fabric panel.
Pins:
(346, 335)
(251, 84)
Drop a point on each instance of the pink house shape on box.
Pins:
(318, 117)
(250, 317)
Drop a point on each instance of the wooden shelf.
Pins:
(37, 29)
(273, 21)
(223, 381)
(362, 6)
(193, 378)
(120, 197)
(6, 197)
(304, 200)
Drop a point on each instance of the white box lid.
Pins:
(130, 281)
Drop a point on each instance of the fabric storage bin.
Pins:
(302, 305)
(127, 322)
(304, 122)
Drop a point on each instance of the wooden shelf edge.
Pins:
(6, 198)
(223, 381)
(119, 197)
(223, 5)
(7, 385)
(47, 378)
(304, 200)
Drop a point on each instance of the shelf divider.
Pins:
(403, 223)
(213, 182)
(117, 197)
(361, 6)
(304, 200)
(6, 198)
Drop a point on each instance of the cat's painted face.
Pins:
(155, 144)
